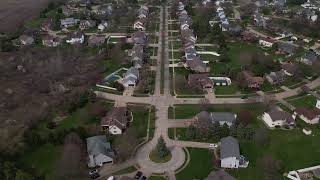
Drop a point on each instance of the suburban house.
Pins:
(140, 24)
(103, 25)
(318, 104)
(309, 58)
(190, 53)
(200, 81)
(99, 151)
(184, 26)
(310, 116)
(217, 117)
(187, 35)
(143, 12)
(130, 77)
(140, 38)
(276, 78)
(286, 48)
(96, 40)
(87, 24)
(219, 175)
(252, 81)
(197, 65)
(261, 3)
(181, 6)
(26, 40)
(277, 118)
(115, 121)
(266, 42)
(289, 69)
(51, 41)
(310, 15)
(68, 22)
(103, 10)
(221, 81)
(260, 20)
(76, 37)
(230, 154)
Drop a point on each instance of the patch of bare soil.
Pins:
(33, 81)
(13, 13)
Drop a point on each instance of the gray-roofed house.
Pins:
(130, 77)
(277, 118)
(200, 81)
(99, 151)
(190, 53)
(115, 121)
(51, 41)
(230, 153)
(217, 117)
(277, 77)
(140, 37)
(260, 20)
(219, 175)
(68, 22)
(286, 48)
(26, 39)
(309, 58)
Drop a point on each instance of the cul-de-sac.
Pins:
(160, 89)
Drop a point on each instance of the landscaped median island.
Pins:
(160, 154)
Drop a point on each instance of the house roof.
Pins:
(290, 68)
(223, 117)
(129, 79)
(277, 76)
(26, 38)
(286, 47)
(199, 80)
(308, 113)
(117, 116)
(96, 40)
(132, 71)
(139, 37)
(99, 145)
(203, 115)
(219, 175)
(197, 65)
(277, 115)
(229, 147)
(311, 56)
(75, 34)
(252, 79)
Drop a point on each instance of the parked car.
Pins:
(111, 178)
(94, 174)
(213, 146)
(138, 175)
(143, 178)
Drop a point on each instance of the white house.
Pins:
(76, 37)
(266, 42)
(276, 118)
(115, 121)
(310, 116)
(99, 151)
(139, 25)
(103, 25)
(230, 154)
(318, 104)
(184, 26)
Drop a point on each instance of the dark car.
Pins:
(143, 178)
(138, 175)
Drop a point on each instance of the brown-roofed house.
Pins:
(200, 81)
(197, 65)
(310, 116)
(96, 40)
(289, 69)
(116, 120)
(252, 81)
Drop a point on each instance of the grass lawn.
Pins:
(156, 178)
(286, 146)
(225, 90)
(155, 158)
(152, 125)
(307, 101)
(110, 66)
(43, 159)
(181, 135)
(35, 23)
(199, 167)
(140, 119)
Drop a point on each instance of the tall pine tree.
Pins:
(161, 148)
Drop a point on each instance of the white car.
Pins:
(111, 178)
(213, 146)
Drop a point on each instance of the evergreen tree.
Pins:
(161, 148)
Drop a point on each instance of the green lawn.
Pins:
(156, 178)
(127, 170)
(140, 119)
(43, 159)
(199, 167)
(226, 90)
(307, 101)
(35, 23)
(293, 148)
(181, 135)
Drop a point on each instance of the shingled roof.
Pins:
(229, 147)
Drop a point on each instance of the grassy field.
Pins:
(199, 167)
(286, 146)
(140, 119)
(307, 101)
(226, 90)
(43, 159)
(156, 178)
(180, 134)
